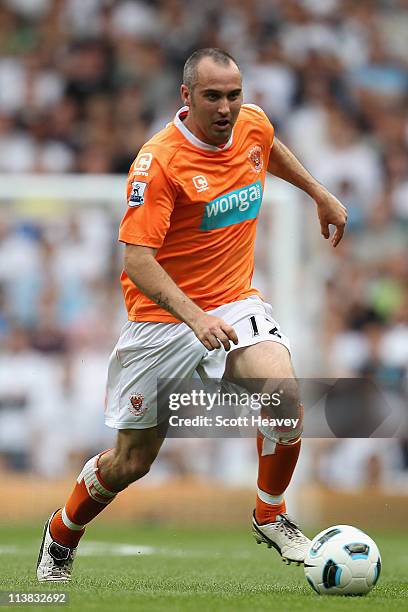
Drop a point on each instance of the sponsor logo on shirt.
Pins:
(136, 197)
(200, 183)
(233, 207)
(143, 163)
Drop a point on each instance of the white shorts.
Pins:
(147, 351)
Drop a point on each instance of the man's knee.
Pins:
(287, 416)
(288, 392)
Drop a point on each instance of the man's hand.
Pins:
(213, 331)
(331, 212)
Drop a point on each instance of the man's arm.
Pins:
(149, 276)
(284, 165)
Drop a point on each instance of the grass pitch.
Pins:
(151, 568)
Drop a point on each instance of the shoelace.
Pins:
(59, 572)
(290, 529)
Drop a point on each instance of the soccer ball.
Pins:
(342, 560)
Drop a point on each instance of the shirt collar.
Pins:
(192, 138)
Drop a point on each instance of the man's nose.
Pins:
(224, 107)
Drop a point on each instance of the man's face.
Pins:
(214, 101)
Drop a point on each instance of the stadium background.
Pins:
(83, 84)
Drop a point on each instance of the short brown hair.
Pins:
(190, 67)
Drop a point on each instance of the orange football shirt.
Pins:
(198, 205)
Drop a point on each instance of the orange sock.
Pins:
(274, 475)
(89, 497)
(64, 535)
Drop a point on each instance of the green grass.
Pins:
(185, 570)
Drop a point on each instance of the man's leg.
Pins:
(278, 451)
(101, 479)
(143, 353)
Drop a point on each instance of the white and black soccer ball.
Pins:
(342, 560)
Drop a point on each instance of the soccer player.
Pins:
(193, 197)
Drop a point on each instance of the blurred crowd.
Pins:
(84, 83)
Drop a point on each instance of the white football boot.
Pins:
(284, 535)
(54, 561)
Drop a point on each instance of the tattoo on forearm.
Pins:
(163, 302)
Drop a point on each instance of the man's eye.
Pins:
(212, 97)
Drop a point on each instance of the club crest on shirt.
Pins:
(136, 197)
(137, 408)
(255, 157)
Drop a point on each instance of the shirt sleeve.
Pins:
(262, 119)
(270, 130)
(150, 202)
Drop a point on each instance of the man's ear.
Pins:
(185, 94)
